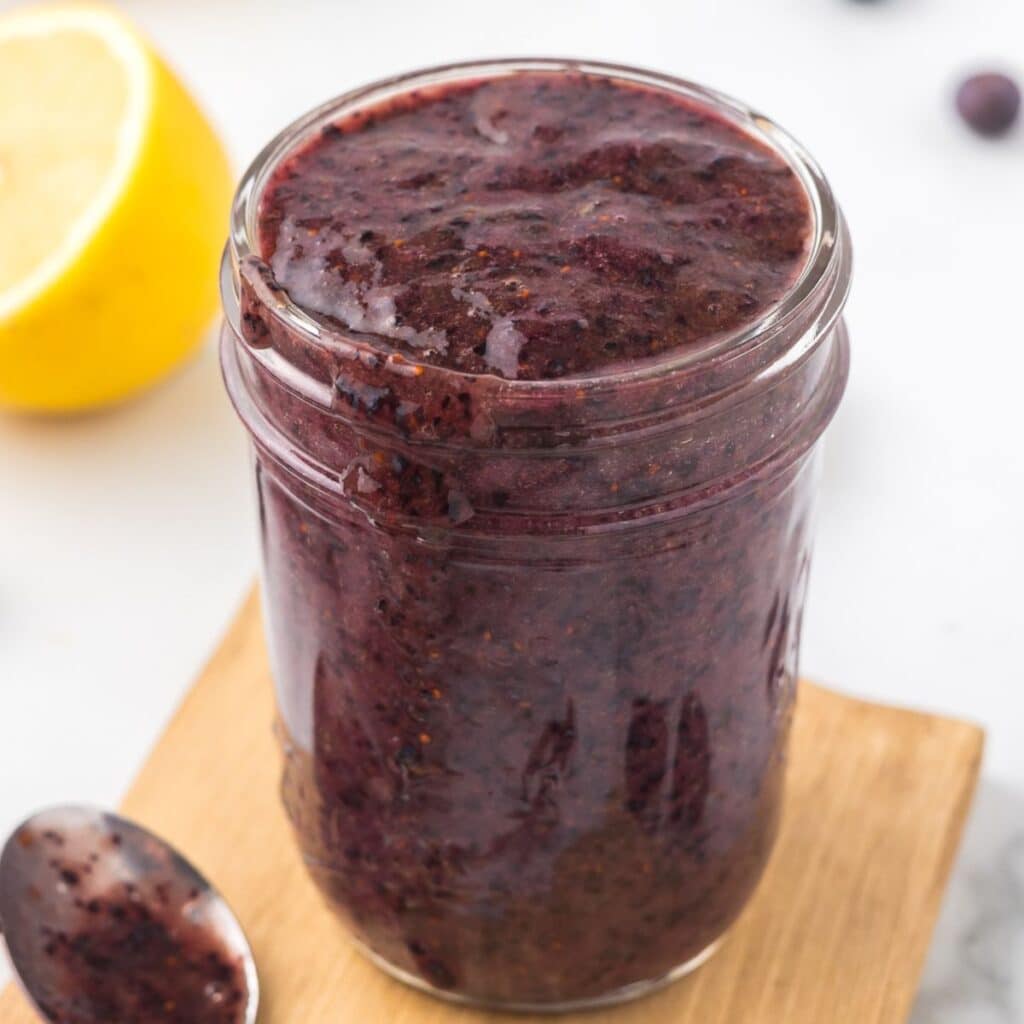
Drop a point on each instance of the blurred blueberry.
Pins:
(989, 103)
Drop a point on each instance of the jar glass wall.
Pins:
(535, 641)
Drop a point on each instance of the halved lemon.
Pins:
(114, 196)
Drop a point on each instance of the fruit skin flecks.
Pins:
(610, 225)
(989, 103)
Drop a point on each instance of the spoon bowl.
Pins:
(102, 920)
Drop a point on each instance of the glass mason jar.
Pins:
(535, 642)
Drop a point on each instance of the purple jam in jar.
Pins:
(535, 357)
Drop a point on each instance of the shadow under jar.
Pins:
(535, 357)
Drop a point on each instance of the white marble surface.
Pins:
(126, 538)
(975, 974)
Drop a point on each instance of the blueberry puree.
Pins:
(535, 227)
(536, 518)
(134, 956)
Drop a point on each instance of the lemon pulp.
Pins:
(114, 193)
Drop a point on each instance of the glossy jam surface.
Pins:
(535, 640)
(536, 227)
(116, 951)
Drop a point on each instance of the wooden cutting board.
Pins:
(837, 932)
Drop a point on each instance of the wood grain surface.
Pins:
(837, 933)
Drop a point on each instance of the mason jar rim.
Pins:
(821, 289)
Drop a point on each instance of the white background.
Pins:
(126, 538)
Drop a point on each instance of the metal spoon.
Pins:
(86, 897)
